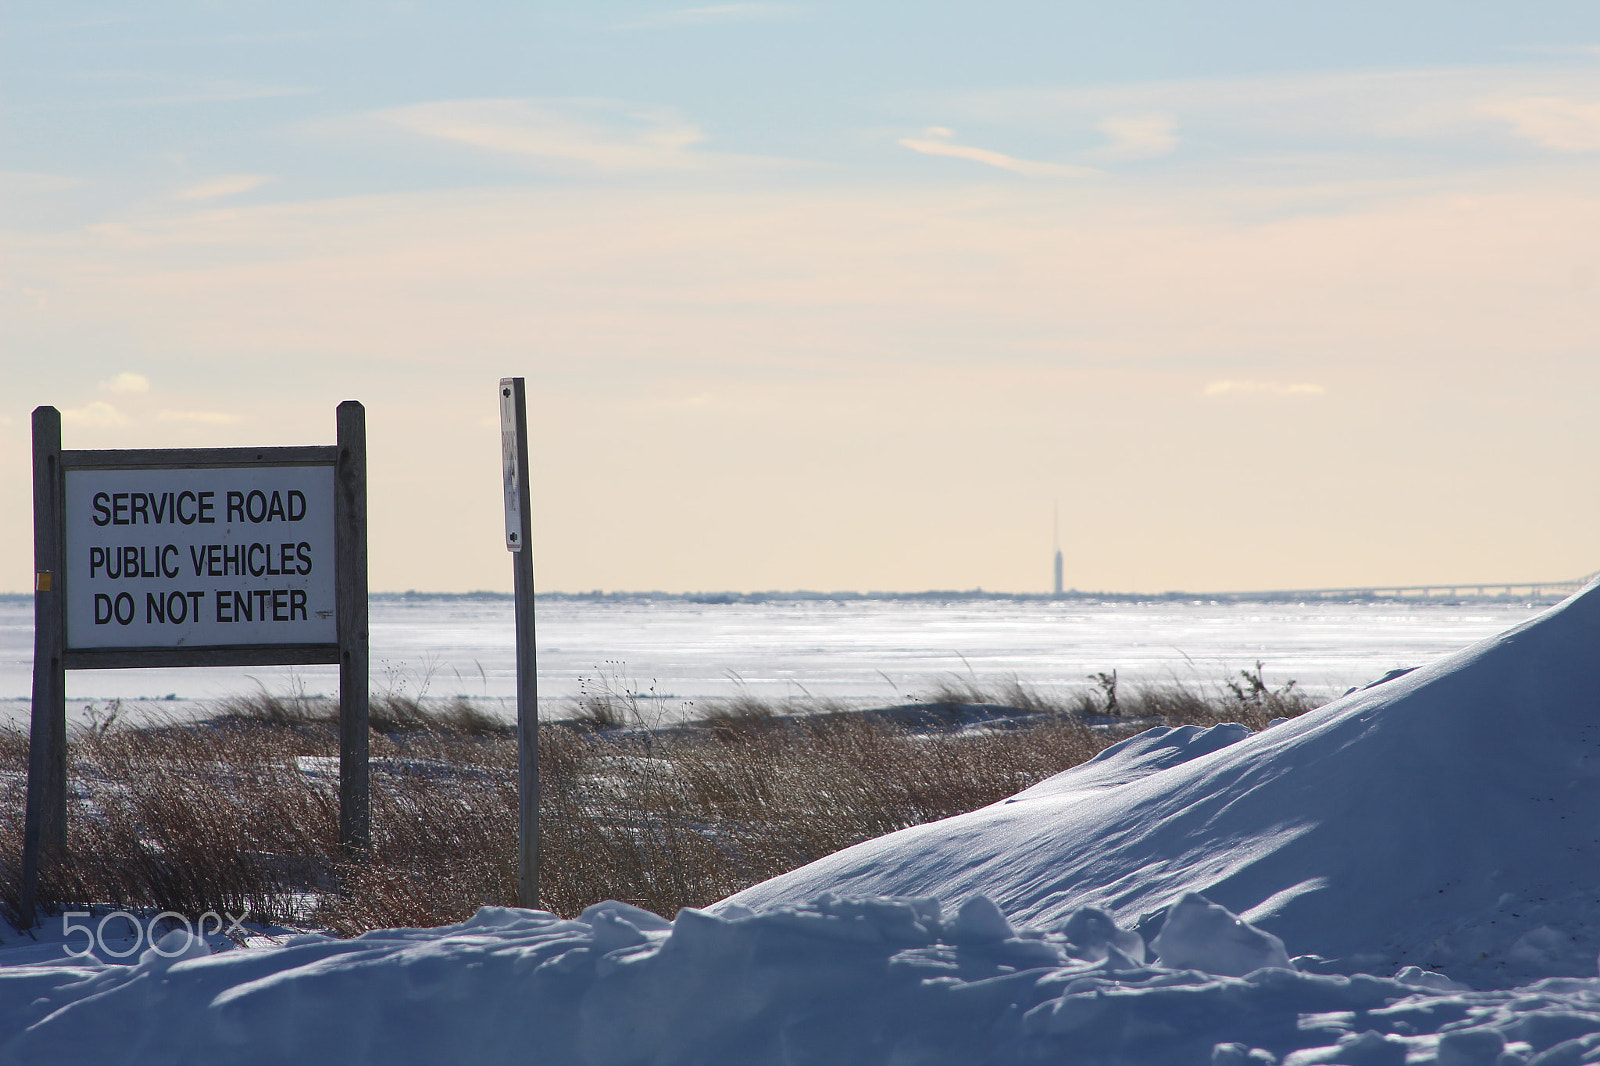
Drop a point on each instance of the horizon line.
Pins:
(1459, 590)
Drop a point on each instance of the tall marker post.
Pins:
(519, 535)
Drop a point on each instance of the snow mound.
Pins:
(865, 981)
(1446, 818)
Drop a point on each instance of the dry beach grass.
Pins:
(239, 814)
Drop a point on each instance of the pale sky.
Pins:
(836, 295)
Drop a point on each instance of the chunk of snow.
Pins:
(1093, 935)
(1475, 1046)
(1199, 935)
(979, 921)
(1417, 977)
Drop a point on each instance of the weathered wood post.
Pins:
(45, 817)
(350, 597)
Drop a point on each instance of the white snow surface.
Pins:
(1449, 818)
(856, 982)
(1439, 827)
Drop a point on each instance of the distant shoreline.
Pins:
(1072, 596)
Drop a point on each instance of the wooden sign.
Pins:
(195, 557)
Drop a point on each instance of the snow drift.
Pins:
(1449, 818)
(863, 982)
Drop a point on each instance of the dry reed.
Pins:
(239, 814)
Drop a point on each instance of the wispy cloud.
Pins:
(1137, 137)
(227, 185)
(96, 414)
(593, 134)
(712, 13)
(1557, 49)
(94, 22)
(127, 381)
(936, 142)
(319, 35)
(209, 418)
(1553, 121)
(22, 181)
(1259, 388)
(216, 92)
(1361, 113)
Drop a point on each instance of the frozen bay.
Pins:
(676, 653)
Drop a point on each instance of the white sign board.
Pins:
(166, 558)
(509, 441)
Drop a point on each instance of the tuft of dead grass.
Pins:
(1248, 698)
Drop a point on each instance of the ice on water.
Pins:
(672, 655)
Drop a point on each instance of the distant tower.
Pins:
(1057, 539)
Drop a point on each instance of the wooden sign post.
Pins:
(195, 557)
(519, 533)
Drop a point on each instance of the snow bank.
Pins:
(1448, 818)
(835, 981)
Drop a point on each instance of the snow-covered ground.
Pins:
(836, 981)
(1427, 851)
